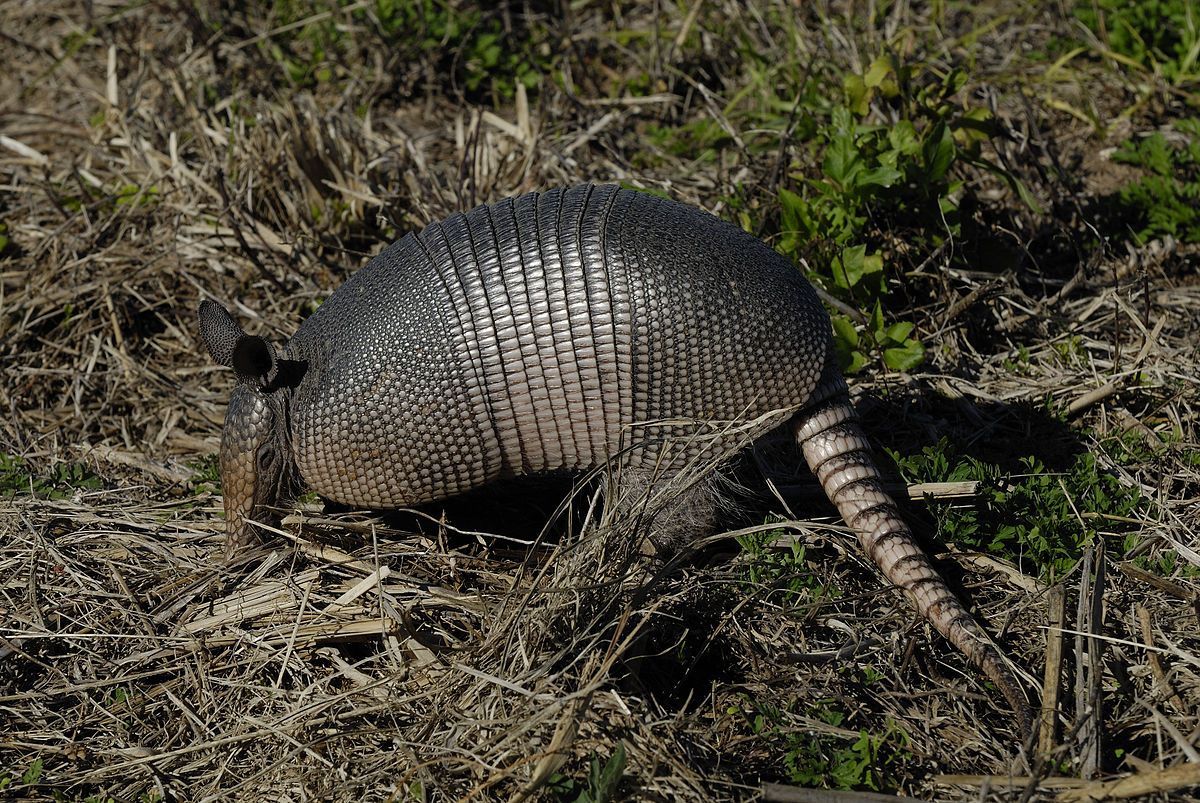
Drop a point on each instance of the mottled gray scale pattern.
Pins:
(625, 324)
(466, 346)
(567, 389)
(518, 346)
(383, 382)
(544, 439)
(583, 404)
(724, 327)
(604, 411)
(547, 332)
(219, 331)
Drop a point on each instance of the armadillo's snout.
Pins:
(252, 464)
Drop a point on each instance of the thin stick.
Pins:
(1092, 397)
(780, 793)
(1052, 679)
(1180, 776)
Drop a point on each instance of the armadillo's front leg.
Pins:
(838, 453)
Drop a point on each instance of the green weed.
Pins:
(1070, 350)
(461, 39)
(1038, 519)
(105, 201)
(601, 784)
(786, 571)
(132, 194)
(31, 783)
(1021, 365)
(698, 140)
(825, 760)
(206, 473)
(61, 482)
(1167, 200)
(897, 177)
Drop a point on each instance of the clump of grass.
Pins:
(786, 572)
(1166, 201)
(1161, 36)
(812, 758)
(62, 481)
(879, 181)
(465, 42)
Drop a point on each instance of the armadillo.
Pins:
(551, 331)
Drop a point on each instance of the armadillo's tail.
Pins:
(837, 452)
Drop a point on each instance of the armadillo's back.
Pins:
(544, 332)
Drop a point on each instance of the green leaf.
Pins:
(903, 138)
(898, 332)
(845, 345)
(844, 331)
(875, 323)
(33, 774)
(606, 783)
(938, 152)
(906, 357)
(848, 266)
(882, 176)
(842, 159)
(878, 70)
(790, 205)
(857, 362)
(858, 94)
(976, 125)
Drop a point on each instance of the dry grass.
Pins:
(147, 162)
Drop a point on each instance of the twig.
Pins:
(1134, 572)
(1008, 781)
(987, 563)
(964, 303)
(1156, 668)
(1093, 396)
(1144, 783)
(841, 306)
(1052, 679)
(779, 793)
(1088, 702)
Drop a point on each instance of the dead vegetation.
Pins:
(152, 154)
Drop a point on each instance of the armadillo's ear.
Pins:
(253, 359)
(219, 331)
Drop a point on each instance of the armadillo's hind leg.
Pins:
(838, 453)
(674, 510)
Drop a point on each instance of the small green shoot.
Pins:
(206, 473)
(600, 786)
(786, 572)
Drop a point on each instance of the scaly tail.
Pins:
(838, 453)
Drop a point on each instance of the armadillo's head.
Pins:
(257, 466)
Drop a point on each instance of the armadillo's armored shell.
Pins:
(545, 332)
